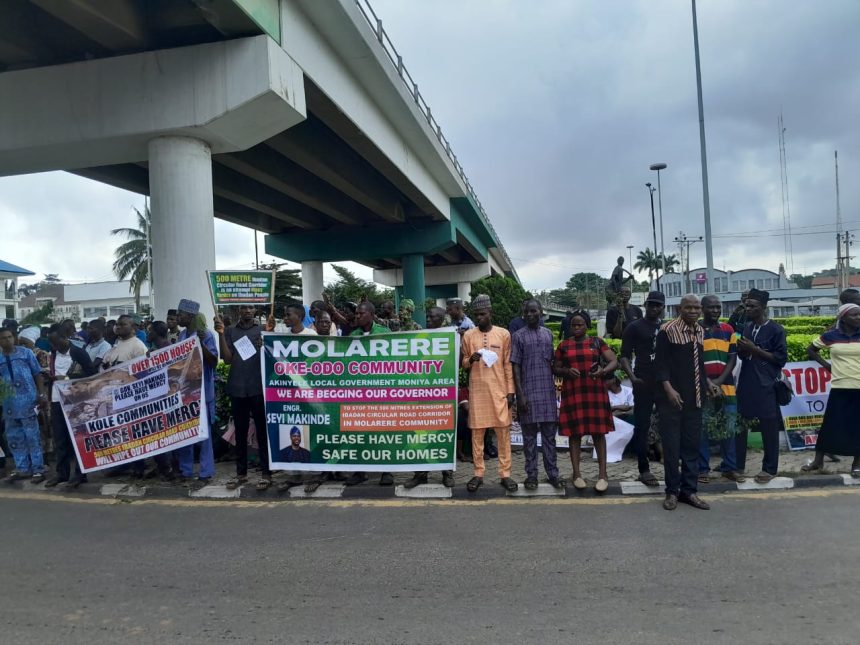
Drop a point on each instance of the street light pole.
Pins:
(651, 190)
(706, 199)
(658, 167)
(630, 256)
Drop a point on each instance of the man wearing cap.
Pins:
(639, 343)
(459, 319)
(486, 353)
(192, 322)
(763, 352)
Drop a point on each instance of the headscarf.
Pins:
(408, 304)
(30, 333)
(844, 309)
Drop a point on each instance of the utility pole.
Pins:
(706, 200)
(684, 243)
(847, 239)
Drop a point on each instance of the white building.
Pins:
(786, 298)
(85, 301)
(9, 274)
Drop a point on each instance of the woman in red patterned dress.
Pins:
(585, 405)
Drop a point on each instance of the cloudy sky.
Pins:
(557, 108)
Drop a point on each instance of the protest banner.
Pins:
(803, 415)
(242, 287)
(386, 402)
(137, 409)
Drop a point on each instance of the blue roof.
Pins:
(6, 267)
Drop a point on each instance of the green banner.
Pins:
(242, 287)
(386, 402)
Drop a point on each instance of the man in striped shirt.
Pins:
(720, 349)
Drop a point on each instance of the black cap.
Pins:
(656, 296)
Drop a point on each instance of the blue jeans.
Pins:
(25, 444)
(727, 446)
(207, 455)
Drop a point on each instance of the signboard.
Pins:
(803, 415)
(137, 409)
(701, 278)
(386, 402)
(242, 287)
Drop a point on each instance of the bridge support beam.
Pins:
(182, 229)
(413, 284)
(312, 281)
(463, 290)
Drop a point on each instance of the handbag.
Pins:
(783, 390)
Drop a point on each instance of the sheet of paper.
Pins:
(488, 356)
(245, 348)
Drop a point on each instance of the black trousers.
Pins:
(64, 453)
(643, 405)
(681, 433)
(244, 408)
(770, 429)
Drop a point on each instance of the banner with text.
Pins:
(137, 409)
(386, 402)
(242, 287)
(803, 415)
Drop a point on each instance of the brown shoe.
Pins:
(695, 501)
(763, 478)
(734, 476)
(671, 502)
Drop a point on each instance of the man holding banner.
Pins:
(189, 317)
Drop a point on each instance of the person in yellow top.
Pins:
(486, 353)
(840, 432)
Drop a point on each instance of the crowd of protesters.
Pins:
(681, 370)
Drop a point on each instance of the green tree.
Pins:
(349, 287)
(564, 297)
(647, 260)
(131, 258)
(672, 261)
(288, 285)
(39, 316)
(590, 289)
(506, 295)
(802, 281)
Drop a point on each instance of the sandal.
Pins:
(648, 478)
(310, 487)
(474, 484)
(264, 483)
(234, 482)
(811, 467)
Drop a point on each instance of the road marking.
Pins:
(418, 503)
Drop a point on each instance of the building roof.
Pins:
(830, 281)
(53, 292)
(11, 270)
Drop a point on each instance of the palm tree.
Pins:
(648, 261)
(671, 262)
(131, 258)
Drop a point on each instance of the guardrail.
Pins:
(411, 85)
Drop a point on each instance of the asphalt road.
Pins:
(779, 568)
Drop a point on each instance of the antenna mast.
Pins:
(786, 204)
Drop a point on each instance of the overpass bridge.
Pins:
(297, 118)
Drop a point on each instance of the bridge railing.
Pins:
(396, 59)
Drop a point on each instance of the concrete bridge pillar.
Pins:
(463, 290)
(413, 284)
(183, 228)
(312, 281)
